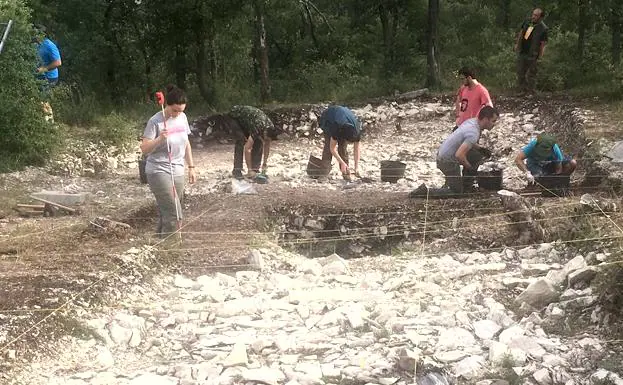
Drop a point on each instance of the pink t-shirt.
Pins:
(472, 100)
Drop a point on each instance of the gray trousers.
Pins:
(160, 186)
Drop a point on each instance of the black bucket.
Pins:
(392, 170)
(141, 170)
(317, 168)
(554, 185)
(490, 180)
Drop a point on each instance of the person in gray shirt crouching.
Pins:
(461, 148)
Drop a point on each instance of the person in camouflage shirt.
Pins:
(252, 131)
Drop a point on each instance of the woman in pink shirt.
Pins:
(471, 97)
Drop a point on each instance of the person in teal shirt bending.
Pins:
(543, 157)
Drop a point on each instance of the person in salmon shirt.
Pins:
(471, 97)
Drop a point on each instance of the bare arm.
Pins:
(461, 155)
(336, 155)
(267, 142)
(519, 161)
(357, 154)
(149, 145)
(248, 148)
(457, 104)
(55, 64)
(191, 163)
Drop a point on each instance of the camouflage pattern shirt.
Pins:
(254, 122)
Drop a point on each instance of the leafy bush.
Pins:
(116, 129)
(25, 136)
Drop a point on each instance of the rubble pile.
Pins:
(384, 320)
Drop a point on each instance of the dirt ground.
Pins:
(45, 262)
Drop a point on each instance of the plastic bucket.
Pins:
(554, 185)
(490, 180)
(392, 170)
(317, 168)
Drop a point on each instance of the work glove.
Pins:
(486, 152)
(529, 177)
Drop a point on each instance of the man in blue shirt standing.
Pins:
(542, 157)
(340, 126)
(49, 57)
(49, 61)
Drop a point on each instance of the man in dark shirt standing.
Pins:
(530, 45)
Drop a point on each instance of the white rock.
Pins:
(237, 356)
(256, 260)
(603, 377)
(538, 294)
(528, 345)
(105, 358)
(264, 375)
(511, 333)
(152, 379)
(312, 369)
(500, 354)
(183, 282)
(455, 338)
(118, 334)
(486, 329)
(543, 377)
(470, 368)
(451, 356)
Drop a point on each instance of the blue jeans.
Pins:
(46, 86)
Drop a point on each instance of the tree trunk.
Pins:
(180, 67)
(389, 15)
(206, 87)
(582, 15)
(433, 80)
(504, 14)
(258, 6)
(616, 22)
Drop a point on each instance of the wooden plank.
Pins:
(69, 209)
(24, 206)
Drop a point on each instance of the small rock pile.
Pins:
(89, 159)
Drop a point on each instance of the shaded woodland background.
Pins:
(116, 53)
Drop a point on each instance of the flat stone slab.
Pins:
(616, 153)
(62, 198)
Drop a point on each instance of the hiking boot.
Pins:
(237, 174)
(420, 192)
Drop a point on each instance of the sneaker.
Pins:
(237, 174)
(420, 192)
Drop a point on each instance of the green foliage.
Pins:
(116, 54)
(116, 129)
(25, 137)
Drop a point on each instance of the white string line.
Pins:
(568, 204)
(89, 287)
(219, 244)
(594, 239)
